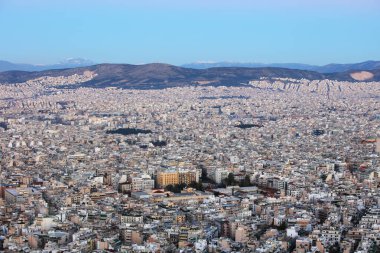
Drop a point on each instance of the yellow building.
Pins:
(167, 178)
(187, 177)
(176, 177)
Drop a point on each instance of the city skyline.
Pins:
(203, 126)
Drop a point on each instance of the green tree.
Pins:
(292, 245)
(177, 188)
(193, 184)
(374, 248)
(246, 182)
(230, 180)
(169, 187)
(283, 226)
(335, 248)
(199, 186)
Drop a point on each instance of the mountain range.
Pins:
(68, 63)
(329, 68)
(79, 62)
(158, 75)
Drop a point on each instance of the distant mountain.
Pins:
(7, 66)
(330, 68)
(206, 65)
(68, 63)
(156, 75)
(79, 62)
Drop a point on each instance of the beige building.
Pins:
(167, 178)
(176, 177)
(241, 235)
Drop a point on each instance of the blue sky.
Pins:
(183, 31)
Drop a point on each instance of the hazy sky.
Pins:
(182, 31)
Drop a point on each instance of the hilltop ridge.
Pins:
(159, 75)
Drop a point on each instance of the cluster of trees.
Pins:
(230, 181)
(374, 248)
(323, 177)
(204, 176)
(128, 131)
(177, 188)
(292, 245)
(358, 216)
(283, 226)
(335, 248)
(197, 186)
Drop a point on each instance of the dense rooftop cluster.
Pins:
(279, 165)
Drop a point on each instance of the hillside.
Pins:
(158, 75)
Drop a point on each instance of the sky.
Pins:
(184, 31)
